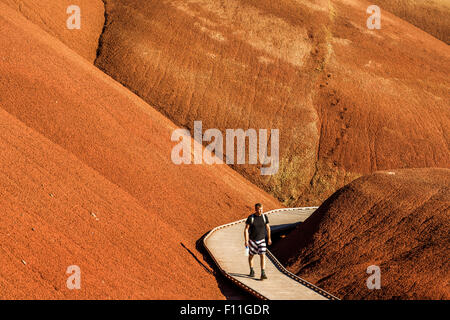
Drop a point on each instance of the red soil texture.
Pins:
(347, 100)
(397, 220)
(86, 179)
(431, 16)
(52, 16)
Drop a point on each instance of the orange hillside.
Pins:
(86, 179)
(52, 16)
(397, 220)
(431, 16)
(347, 100)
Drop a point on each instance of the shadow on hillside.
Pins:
(196, 259)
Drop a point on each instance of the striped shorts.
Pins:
(257, 247)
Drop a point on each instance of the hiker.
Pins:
(256, 228)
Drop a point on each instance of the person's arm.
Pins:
(269, 238)
(247, 226)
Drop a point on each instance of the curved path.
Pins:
(225, 244)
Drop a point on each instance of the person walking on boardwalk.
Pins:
(256, 228)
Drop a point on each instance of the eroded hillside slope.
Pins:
(431, 16)
(52, 17)
(347, 100)
(87, 179)
(397, 220)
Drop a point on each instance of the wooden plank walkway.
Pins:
(225, 244)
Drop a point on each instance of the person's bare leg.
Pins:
(250, 261)
(263, 266)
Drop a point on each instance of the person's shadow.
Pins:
(241, 275)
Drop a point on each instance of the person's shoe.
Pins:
(252, 273)
(263, 275)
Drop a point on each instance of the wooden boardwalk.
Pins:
(225, 244)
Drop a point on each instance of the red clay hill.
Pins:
(86, 179)
(347, 100)
(397, 220)
(428, 15)
(52, 16)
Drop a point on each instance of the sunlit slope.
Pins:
(347, 100)
(52, 17)
(395, 220)
(86, 179)
(431, 16)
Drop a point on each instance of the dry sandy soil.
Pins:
(86, 179)
(86, 176)
(399, 222)
(431, 16)
(347, 100)
(51, 16)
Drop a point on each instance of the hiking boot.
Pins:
(263, 275)
(252, 273)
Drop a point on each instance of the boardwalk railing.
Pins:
(269, 255)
